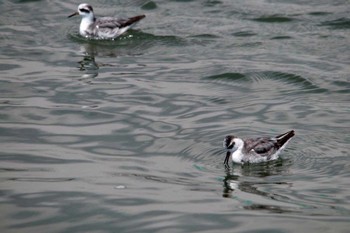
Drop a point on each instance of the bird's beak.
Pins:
(228, 153)
(75, 13)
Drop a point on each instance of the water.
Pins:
(126, 135)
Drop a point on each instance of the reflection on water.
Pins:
(233, 175)
(126, 135)
(236, 185)
(89, 66)
(251, 186)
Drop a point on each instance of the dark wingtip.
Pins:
(283, 138)
(137, 18)
(133, 20)
(291, 133)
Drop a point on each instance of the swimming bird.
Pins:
(104, 27)
(255, 150)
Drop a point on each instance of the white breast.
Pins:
(84, 26)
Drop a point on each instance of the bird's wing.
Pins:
(262, 146)
(110, 22)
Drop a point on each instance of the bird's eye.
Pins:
(84, 10)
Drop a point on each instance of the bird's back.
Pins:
(109, 27)
(266, 148)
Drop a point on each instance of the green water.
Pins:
(126, 135)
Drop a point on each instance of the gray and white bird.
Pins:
(104, 27)
(255, 150)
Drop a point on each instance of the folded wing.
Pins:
(111, 23)
(262, 146)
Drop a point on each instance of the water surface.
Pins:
(126, 135)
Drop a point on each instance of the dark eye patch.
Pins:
(84, 10)
(231, 146)
(228, 140)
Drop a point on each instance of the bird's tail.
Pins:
(132, 20)
(283, 138)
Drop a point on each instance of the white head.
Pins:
(85, 10)
(231, 144)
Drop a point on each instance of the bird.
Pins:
(255, 150)
(104, 27)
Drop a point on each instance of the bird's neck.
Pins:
(237, 155)
(239, 143)
(86, 21)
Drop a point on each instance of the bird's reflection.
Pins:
(132, 43)
(89, 66)
(247, 178)
(92, 50)
(231, 183)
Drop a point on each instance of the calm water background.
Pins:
(126, 135)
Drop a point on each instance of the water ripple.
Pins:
(342, 23)
(274, 19)
(126, 135)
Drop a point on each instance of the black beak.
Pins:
(228, 153)
(75, 13)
